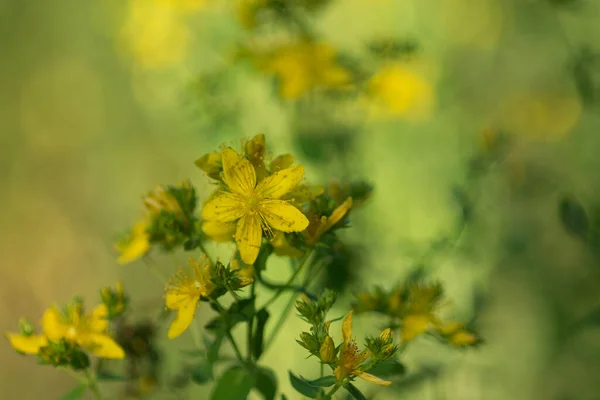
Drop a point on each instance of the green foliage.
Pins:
(574, 217)
(388, 369)
(304, 387)
(262, 316)
(354, 392)
(234, 384)
(266, 383)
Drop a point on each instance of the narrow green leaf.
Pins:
(201, 372)
(191, 244)
(324, 381)
(110, 376)
(234, 384)
(303, 387)
(283, 396)
(257, 339)
(353, 390)
(75, 394)
(388, 369)
(266, 383)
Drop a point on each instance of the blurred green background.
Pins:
(97, 109)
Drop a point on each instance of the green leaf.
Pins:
(303, 386)
(573, 217)
(241, 311)
(353, 390)
(76, 393)
(388, 369)
(266, 383)
(213, 346)
(234, 384)
(257, 339)
(201, 372)
(283, 396)
(109, 376)
(324, 381)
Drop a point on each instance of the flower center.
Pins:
(71, 332)
(197, 285)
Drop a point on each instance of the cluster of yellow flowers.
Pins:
(67, 334)
(414, 307)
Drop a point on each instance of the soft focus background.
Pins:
(102, 101)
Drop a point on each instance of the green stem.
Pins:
(250, 325)
(291, 280)
(238, 354)
(93, 385)
(334, 389)
(153, 268)
(201, 247)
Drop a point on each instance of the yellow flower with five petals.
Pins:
(350, 358)
(184, 292)
(255, 207)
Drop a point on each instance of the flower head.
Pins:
(420, 310)
(255, 206)
(350, 357)
(135, 245)
(184, 292)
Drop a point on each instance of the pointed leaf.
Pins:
(303, 386)
(324, 381)
(257, 339)
(201, 372)
(266, 383)
(353, 390)
(234, 384)
(388, 369)
(573, 217)
(110, 376)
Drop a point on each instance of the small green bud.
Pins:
(308, 342)
(25, 327)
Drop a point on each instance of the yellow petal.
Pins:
(238, 173)
(280, 183)
(463, 338)
(450, 327)
(338, 214)
(27, 344)
(347, 328)
(226, 207)
(219, 231)
(282, 162)
(210, 163)
(98, 321)
(339, 373)
(282, 216)
(414, 325)
(101, 345)
(174, 299)
(248, 237)
(371, 378)
(185, 316)
(134, 250)
(53, 325)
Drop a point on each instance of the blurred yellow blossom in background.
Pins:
(303, 66)
(155, 33)
(400, 89)
(542, 115)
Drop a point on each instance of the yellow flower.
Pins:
(319, 226)
(28, 344)
(351, 358)
(161, 200)
(184, 292)
(419, 314)
(155, 34)
(135, 245)
(303, 66)
(456, 334)
(246, 11)
(219, 231)
(400, 90)
(254, 206)
(88, 331)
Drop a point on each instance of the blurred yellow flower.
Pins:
(546, 115)
(282, 247)
(400, 90)
(246, 12)
(135, 245)
(28, 344)
(184, 292)
(350, 358)
(419, 313)
(303, 66)
(456, 334)
(155, 32)
(320, 225)
(254, 206)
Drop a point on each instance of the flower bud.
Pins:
(386, 335)
(327, 351)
